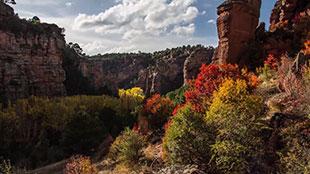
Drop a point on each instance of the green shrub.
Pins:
(83, 132)
(295, 156)
(40, 131)
(188, 139)
(80, 165)
(236, 114)
(127, 148)
(177, 96)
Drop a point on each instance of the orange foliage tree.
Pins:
(158, 109)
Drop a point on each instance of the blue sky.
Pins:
(103, 26)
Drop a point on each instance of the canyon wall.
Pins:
(109, 73)
(160, 72)
(236, 24)
(30, 57)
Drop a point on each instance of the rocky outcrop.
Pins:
(193, 63)
(159, 72)
(289, 27)
(237, 22)
(109, 72)
(287, 13)
(30, 57)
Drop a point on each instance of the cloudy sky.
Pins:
(104, 26)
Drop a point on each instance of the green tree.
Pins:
(237, 116)
(188, 139)
(127, 148)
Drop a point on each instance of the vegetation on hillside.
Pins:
(38, 131)
(227, 120)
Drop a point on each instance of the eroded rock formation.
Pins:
(110, 73)
(289, 27)
(30, 57)
(160, 72)
(287, 13)
(237, 22)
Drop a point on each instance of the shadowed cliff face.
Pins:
(160, 72)
(30, 58)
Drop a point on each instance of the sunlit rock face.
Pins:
(236, 24)
(30, 58)
(289, 27)
(160, 72)
(287, 13)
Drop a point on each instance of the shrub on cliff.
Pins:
(127, 148)
(188, 139)
(236, 114)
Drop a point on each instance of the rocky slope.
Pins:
(30, 57)
(160, 72)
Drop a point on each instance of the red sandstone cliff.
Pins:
(289, 27)
(236, 24)
(30, 57)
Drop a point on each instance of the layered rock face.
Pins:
(111, 73)
(30, 58)
(160, 72)
(289, 27)
(237, 22)
(286, 13)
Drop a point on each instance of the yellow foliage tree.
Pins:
(131, 98)
(236, 115)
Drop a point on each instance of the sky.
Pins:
(114, 26)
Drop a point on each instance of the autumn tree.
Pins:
(158, 109)
(236, 114)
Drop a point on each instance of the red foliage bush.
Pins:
(157, 110)
(272, 62)
(208, 80)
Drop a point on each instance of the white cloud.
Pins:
(68, 4)
(135, 18)
(184, 30)
(37, 2)
(211, 21)
(128, 26)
